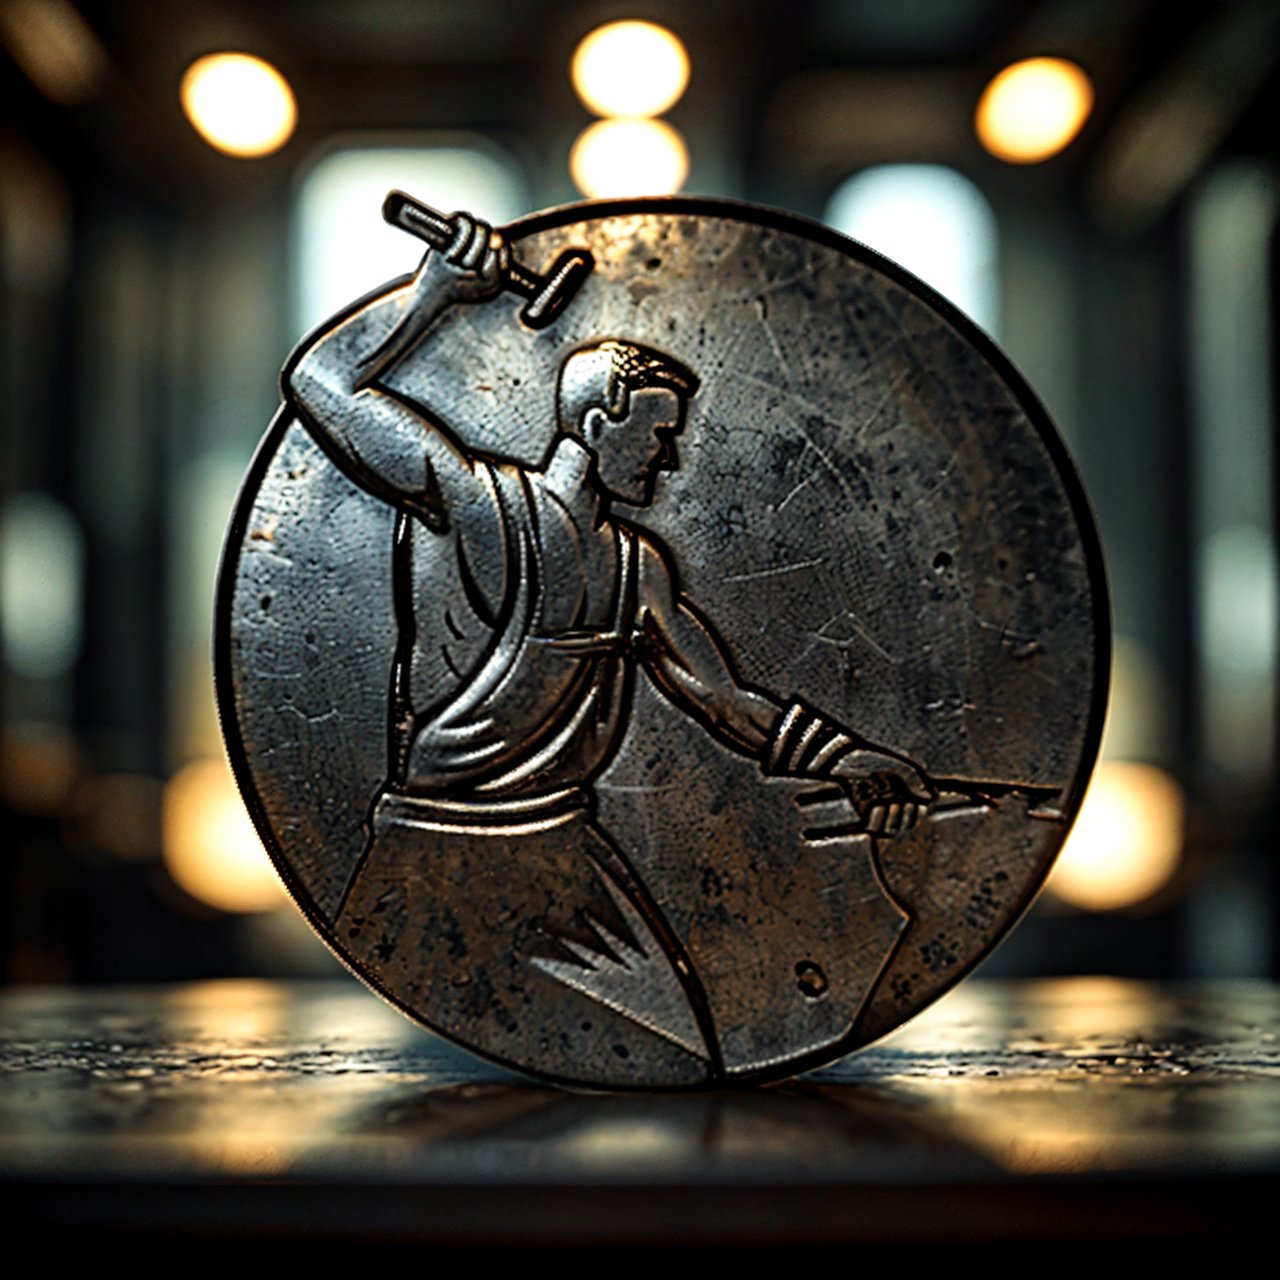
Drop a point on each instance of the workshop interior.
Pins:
(186, 190)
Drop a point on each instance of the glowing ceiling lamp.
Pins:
(629, 158)
(210, 847)
(1033, 109)
(239, 104)
(1127, 841)
(630, 69)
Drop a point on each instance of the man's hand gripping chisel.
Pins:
(852, 811)
(548, 293)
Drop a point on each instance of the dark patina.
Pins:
(684, 675)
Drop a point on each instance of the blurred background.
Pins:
(185, 189)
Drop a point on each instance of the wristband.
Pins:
(805, 744)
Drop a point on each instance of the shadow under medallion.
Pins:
(561, 863)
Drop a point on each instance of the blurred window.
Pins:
(343, 249)
(1234, 213)
(931, 220)
(41, 583)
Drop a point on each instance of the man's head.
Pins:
(626, 403)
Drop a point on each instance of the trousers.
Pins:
(516, 927)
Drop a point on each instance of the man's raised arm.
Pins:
(384, 444)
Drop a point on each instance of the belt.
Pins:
(518, 815)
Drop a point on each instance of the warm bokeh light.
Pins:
(630, 69)
(239, 104)
(1127, 841)
(1033, 109)
(210, 847)
(39, 766)
(629, 158)
(55, 46)
(115, 814)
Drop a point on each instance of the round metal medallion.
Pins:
(659, 645)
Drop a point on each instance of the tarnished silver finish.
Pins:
(687, 678)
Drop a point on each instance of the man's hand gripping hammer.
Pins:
(548, 294)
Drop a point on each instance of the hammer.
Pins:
(547, 293)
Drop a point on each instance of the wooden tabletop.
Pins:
(1084, 1109)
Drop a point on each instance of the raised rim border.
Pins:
(756, 215)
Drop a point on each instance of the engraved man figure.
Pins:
(488, 894)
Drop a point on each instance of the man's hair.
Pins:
(603, 376)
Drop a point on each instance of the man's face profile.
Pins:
(632, 451)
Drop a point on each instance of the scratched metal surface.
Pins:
(1076, 1108)
(871, 511)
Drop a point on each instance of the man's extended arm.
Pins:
(688, 664)
(384, 444)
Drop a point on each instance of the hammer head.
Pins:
(558, 286)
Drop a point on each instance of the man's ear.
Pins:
(594, 422)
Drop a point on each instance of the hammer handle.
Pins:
(437, 230)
